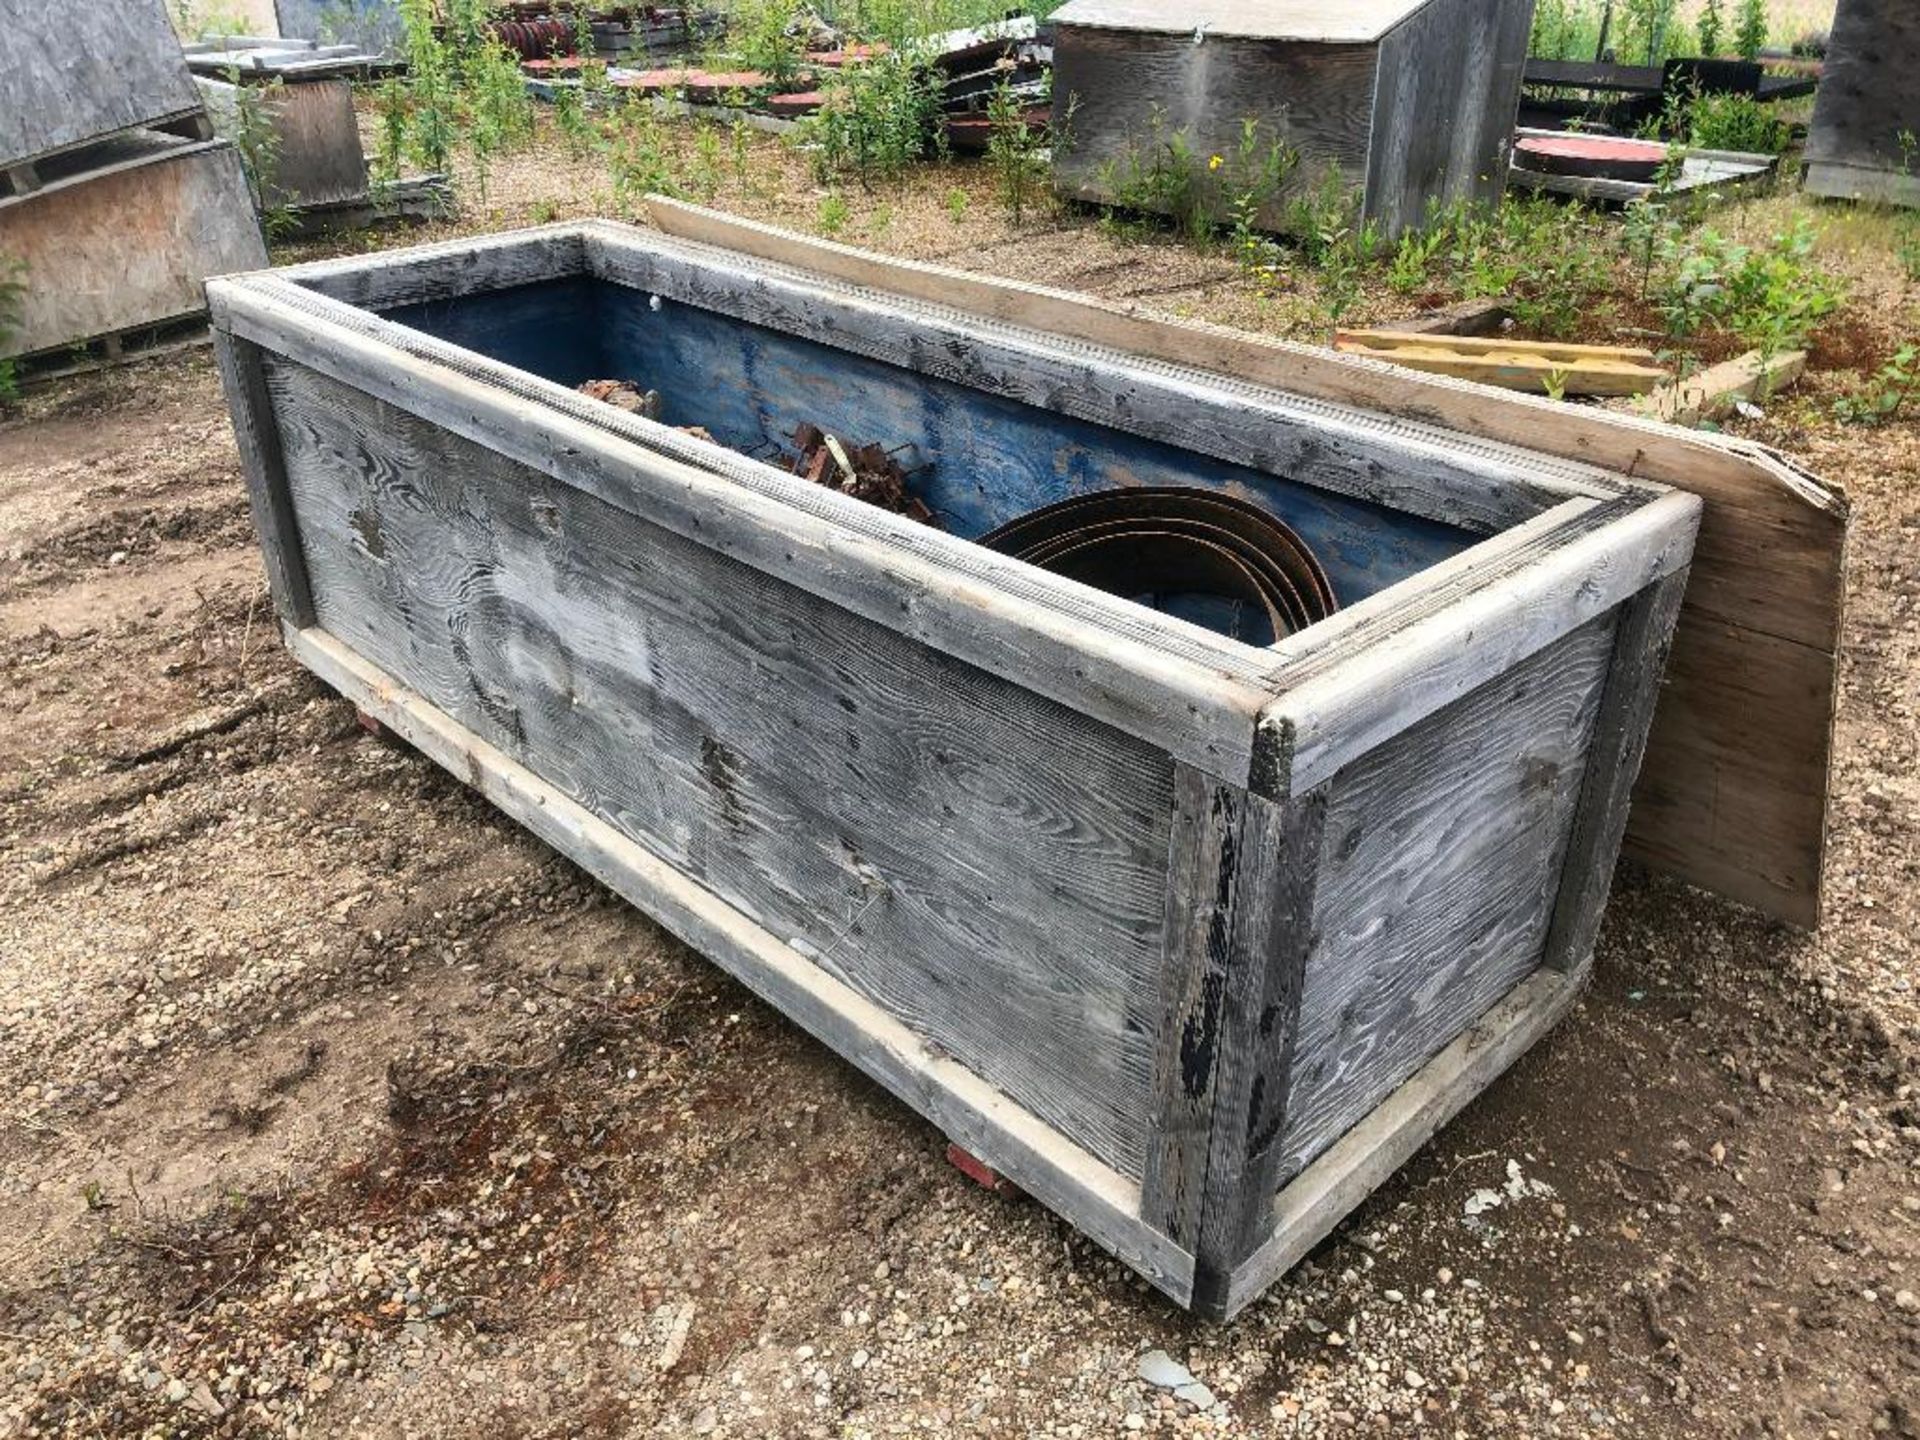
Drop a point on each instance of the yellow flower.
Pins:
(1214, 162)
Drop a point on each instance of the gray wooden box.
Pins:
(1193, 940)
(1411, 102)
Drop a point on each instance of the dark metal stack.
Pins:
(1205, 557)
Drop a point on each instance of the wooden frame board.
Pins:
(1726, 801)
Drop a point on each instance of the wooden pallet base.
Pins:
(23, 177)
(414, 200)
(121, 347)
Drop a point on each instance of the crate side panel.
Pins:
(1448, 94)
(988, 866)
(1441, 859)
(130, 248)
(74, 73)
(1122, 96)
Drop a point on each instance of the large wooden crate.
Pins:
(1861, 145)
(1411, 103)
(73, 74)
(1195, 940)
(127, 243)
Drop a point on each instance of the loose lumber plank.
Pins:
(1512, 364)
(1311, 1205)
(1718, 389)
(1768, 565)
(1103, 1203)
(1643, 639)
(1485, 316)
(263, 459)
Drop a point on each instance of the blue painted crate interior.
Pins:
(978, 460)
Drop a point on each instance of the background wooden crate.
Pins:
(1410, 102)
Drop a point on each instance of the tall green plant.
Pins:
(1712, 27)
(1750, 33)
(877, 118)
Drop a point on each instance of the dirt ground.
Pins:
(332, 1104)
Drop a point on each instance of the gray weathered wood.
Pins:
(446, 270)
(1443, 855)
(1067, 1179)
(263, 461)
(1860, 146)
(1051, 867)
(128, 246)
(1324, 722)
(1411, 104)
(1239, 906)
(317, 157)
(1642, 641)
(985, 864)
(1192, 693)
(73, 74)
(1310, 1205)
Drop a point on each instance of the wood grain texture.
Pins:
(1317, 20)
(1867, 100)
(1063, 1177)
(985, 865)
(1643, 637)
(1120, 97)
(318, 158)
(1442, 858)
(1733, 791)
(1444, 107)
(129, 247)
(1309, 1206)
(1719, 388)
(75, 73)
(263, 460)
(1185, 690)
(1358, 702)
(1240, 893)
(1769, 562)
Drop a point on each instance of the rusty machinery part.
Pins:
(1591, 157)
(1207, 557)
(535, 39)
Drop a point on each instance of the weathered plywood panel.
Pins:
(1444, 107)
(1866, 103)
(986, 865)
(74, 73)
(1442, 856)
(1331, 20)
(129, 247)
(1120, 95)
(318, 158)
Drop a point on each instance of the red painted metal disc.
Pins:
(1592, 156)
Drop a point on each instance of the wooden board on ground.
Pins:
(1714, 391)
(1512, 364)
(1724, 801)
(76, 73)
(1488, 315)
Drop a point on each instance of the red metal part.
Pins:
(978, 1171)
(1600, 157)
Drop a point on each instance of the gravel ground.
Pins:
(332, 1104)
